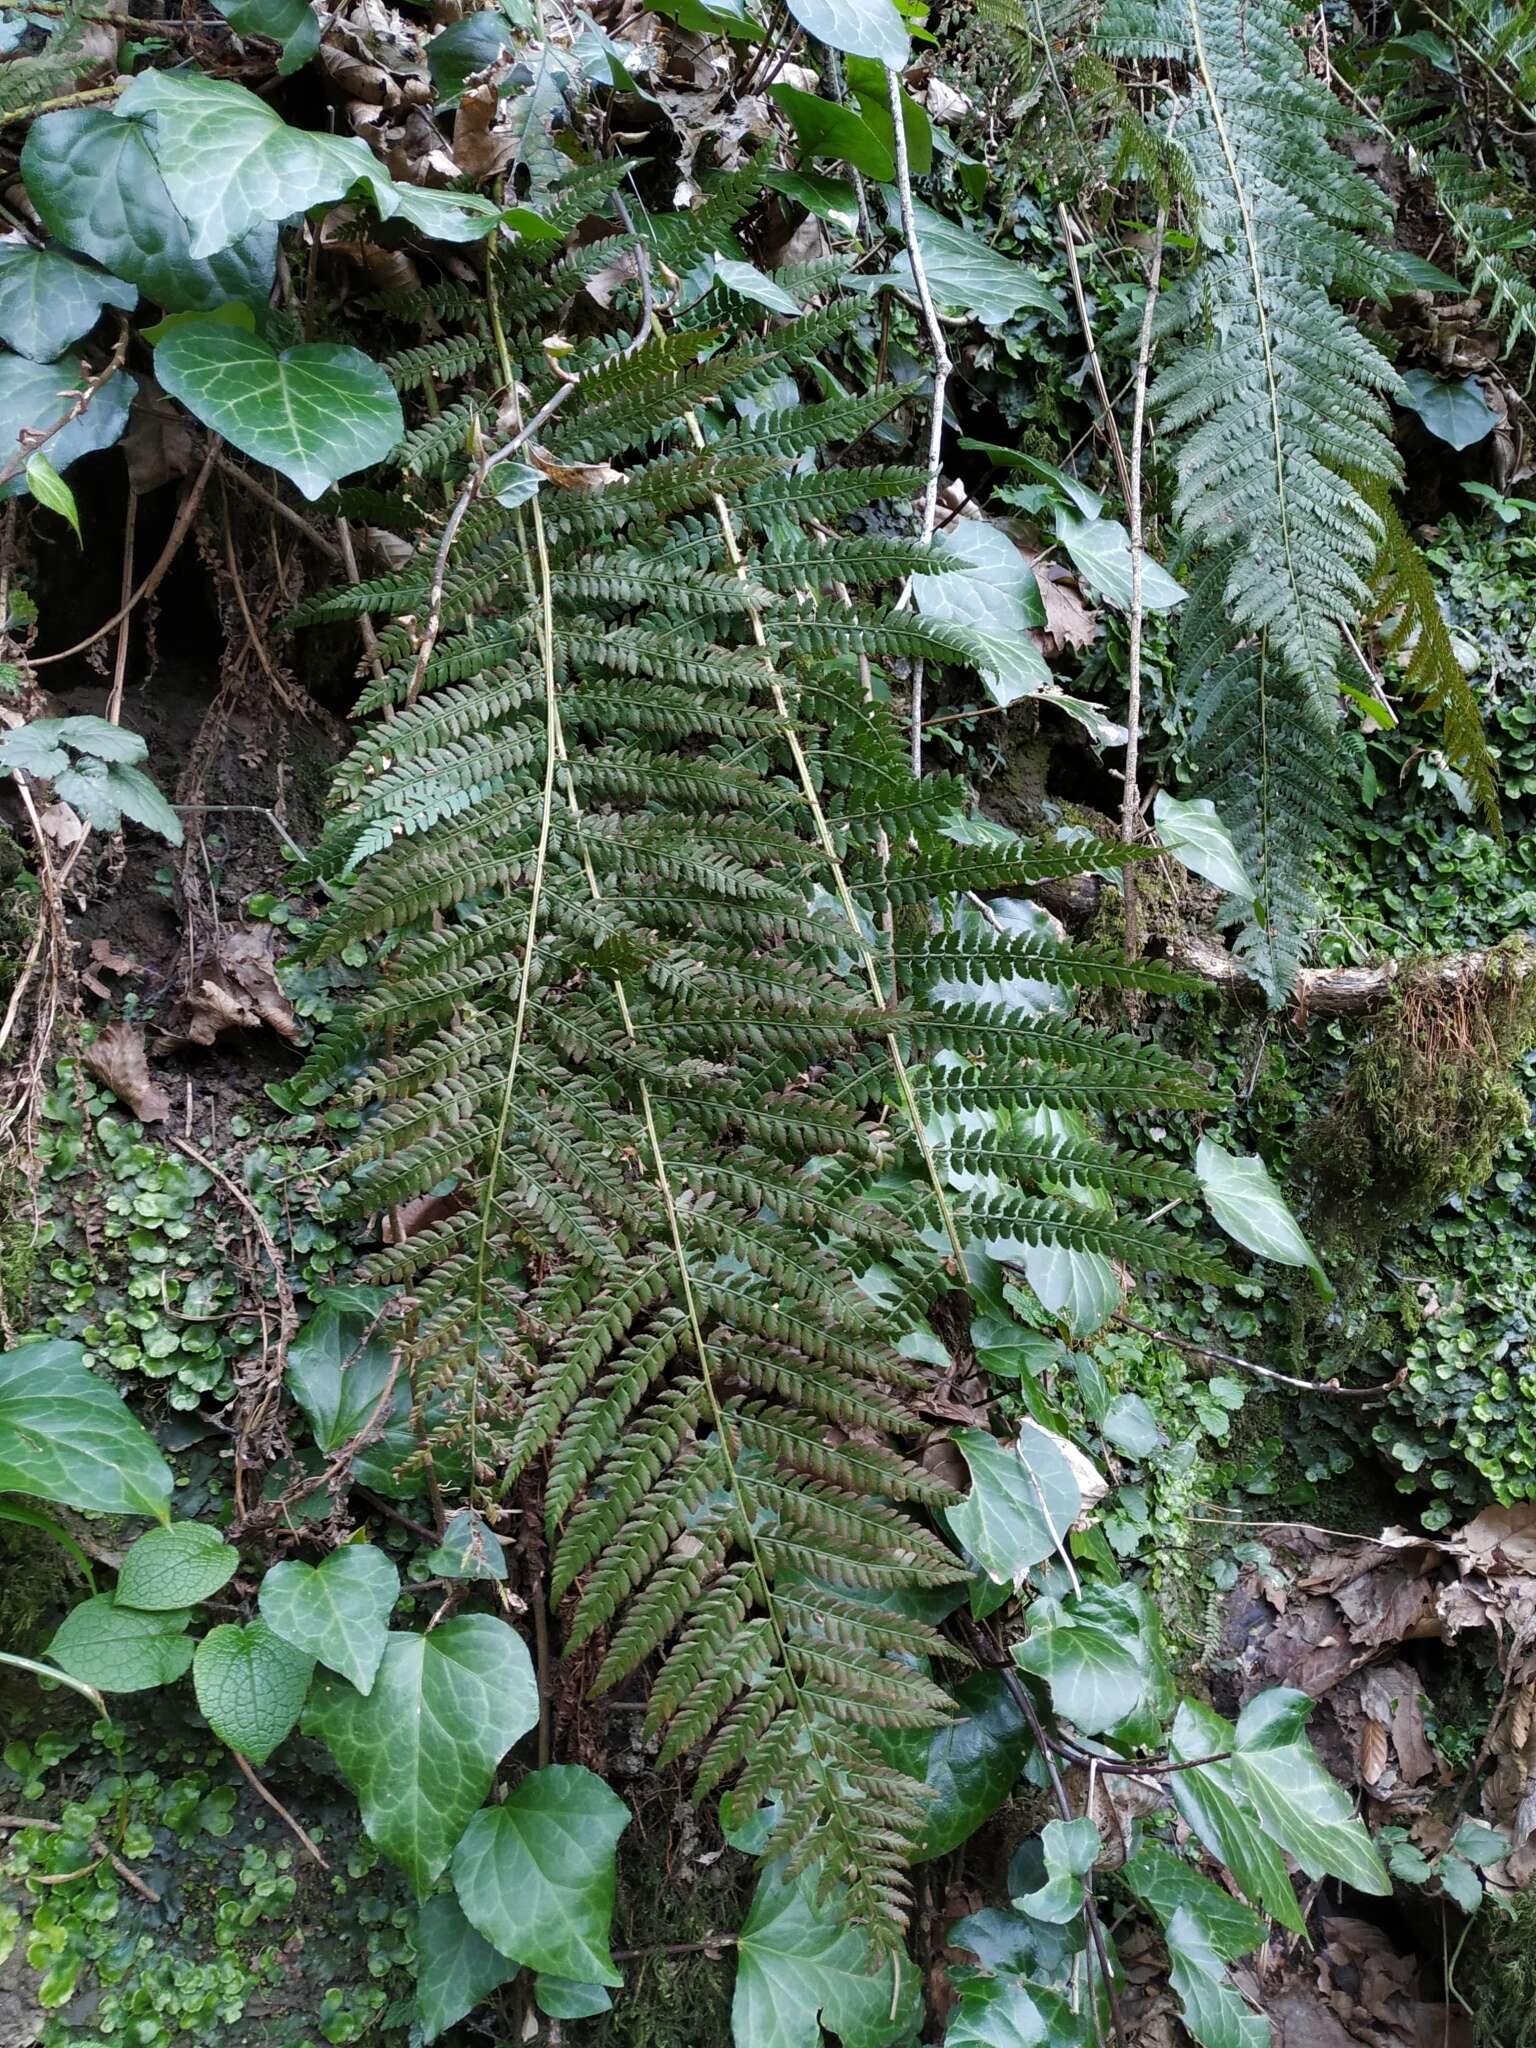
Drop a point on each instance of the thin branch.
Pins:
(941, 369)
(103, 1855)
(279, 1809)
(1130, 794)
(274, 503)
(1112, 426)
(1263, 1372)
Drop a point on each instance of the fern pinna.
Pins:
(675, 995)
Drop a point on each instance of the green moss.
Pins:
(1497, 1977)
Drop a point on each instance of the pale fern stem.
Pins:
(1130, 794)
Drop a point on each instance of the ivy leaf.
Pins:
(802, 1965)
(825, 128)
(118, 1649)
(1102, 1656)
(1130, 1426)
(37, 395)
(830, 199)
(316, 413)
(562, 1998)
(289, 22)
(965, 276)
(456, 1967)
(96, 186)
(1101, 554)
(1009, 1942)
(1004, 2012)
(466, 46)
(230, 163)
(995, 596)
(46, 301)
(175, 1567)
(1070, 1848)
(67, 1437)
(1305, 1810)
(1024, 1498)
(745, 280)
(1246, 1203)
(1166, 1884)
(536, 1875)
(336, 1612)
(1194, 834)
(51, 491)
(337, 1372)
(251, 1686)
(470, 1549)
(1454, 409)
(1211, 1803)
(421, 1748)
(970, 1766)
(860, 28)
(135, 796)
(1214, 2011)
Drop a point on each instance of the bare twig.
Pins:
(1131, 791)
(274, 503)
(120, 664)
(1112, 426)
(103, 1855)
(1263, 1372)
(279, 1809)
(941, 369)
(18, 115)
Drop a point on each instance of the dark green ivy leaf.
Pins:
(47, 301)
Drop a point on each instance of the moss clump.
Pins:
(1497, 1981)
(1432, 1096)
(37, 1582)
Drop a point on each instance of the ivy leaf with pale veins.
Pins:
(536, 1875)
(251, 1686)
(1215, 1808)
(970, 1766)
(1101, 1654)
(46, 301)
(65, 1436)
(421, 1748)
(337, 1371)
(1003, 2012)
(1246, 1203)
(1214, 2011)
(36, 396)
(1070, 1848)
(96, 186)
(968, 278)
(1194, 834)
(230, 162)
(860, 28)
(456, 1968)
(118, 1649)
(175, 1567)
(1306, 1811)
(470, 1549)
(1167, 1884)
(317, 412)
(802, 1965)
(1024, 1498)
(336, 1612)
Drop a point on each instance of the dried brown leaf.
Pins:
(117, 1058)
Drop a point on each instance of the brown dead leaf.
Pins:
(480, 148)
(117, 1059)
(574, 476)
(236, 990)
(162, 443)
(1068, 621)
(62, 824)
(1499, 1540)
(1375, 1748)
(105, 955)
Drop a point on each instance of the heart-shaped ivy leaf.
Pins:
(95, 185)
(66, 1436)
(420, 1750)
(316, 413)
(337, 1612)
(536, 1875)
(456, 1967)
(250, 1685)
(290, 22)
(118, 1649)
(175, 1567)
(46, 301)
(38, 395)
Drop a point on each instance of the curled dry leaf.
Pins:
(574, 476)
(236, 990)
(481, 147)
(1068, 621)
(118, 1060)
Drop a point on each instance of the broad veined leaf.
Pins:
(996, 597)
(970, 1766)
(175, 1567)
(536, 1875)
(563, 1998)
(338, 1369)
(470, 1549)
(1101, 554)
(421, 1748)
(38, 395)
(869, 82)
(1082, 1288)
(1306, 1811)
(965, 276)
(251, 1686)
(67, 1437)
(1214, 2011)
(1130, 1425)
(1219, 1813)
(292, 23)
(729, 18)
(1454, 409)
(337, 1611)
(744, 280)
(466, 46)
(862, 28)
(1009, 1943)
(317, 412)
(1004, 2012)
(230, 162)
(1246, 1203)
(47, 301)
(826, 128)
(455, 1969)
(828, 198)
(1024, 1498)
(803, 1965)
(96, 186)
(1070, 1848)
(1101, 1654)
(1167, 1885)
(1194, 834)
(120, 1649)
(51, 492)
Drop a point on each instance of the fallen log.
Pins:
(1350, 991)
